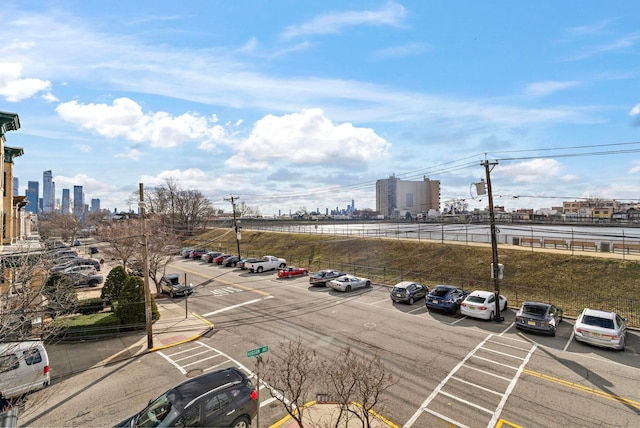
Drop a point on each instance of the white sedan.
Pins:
(348, 283)
(481, 304)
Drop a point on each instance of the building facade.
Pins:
(33, 196)
(65, 205)
(95, 205)
(396, 198)
(48, 192)
(78, 202)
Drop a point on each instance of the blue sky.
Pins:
(291, 103)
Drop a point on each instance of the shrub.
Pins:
(130, 308)
(116, 279)
(83, 326)
(90, 306)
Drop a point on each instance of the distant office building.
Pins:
(78, 201)
(397, 198)
(48, 192)
(32, 195)
(66, 201)
(16, 186)
(95, 205)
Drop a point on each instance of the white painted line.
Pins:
(215, 367)
(188, 357)
(444, 418)
(468, 403)
(435, 392)
(267, 401)
(173, 363)
(202, 360)
(236, 306)
(508, 379)
(507, 393)
(494, 362)
(477, 386)
(457, 321)
(507, 329)
(569, 341)
(502, 353)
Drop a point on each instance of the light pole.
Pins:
(494, 243)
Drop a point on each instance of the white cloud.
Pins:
(308, 138)
(541, 89)
(400, 51)
(332, 23)
(531, 171)
(132, 153)
(14, 88)
(125, 119)
(635, 115)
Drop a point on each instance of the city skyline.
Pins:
(309, 104)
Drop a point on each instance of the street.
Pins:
(448, 369)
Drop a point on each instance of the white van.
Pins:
(24, 367)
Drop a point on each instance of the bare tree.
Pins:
(123, 238)
(244, 210)
(291, 371)
(65, 226)
(358, 383)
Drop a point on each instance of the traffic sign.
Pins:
(257, 351)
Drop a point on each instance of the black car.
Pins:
(93, 250)
(324, 276)
(539, 317)
(224, 398)
(445, 298)
(231, 261)
(408, 292)
(170, 284)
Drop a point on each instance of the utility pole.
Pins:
(233, 199)
(494, 242)
(145, 267)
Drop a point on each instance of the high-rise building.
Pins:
(66, 201)
(33, 196)
(95, 205)
(48, 192)
(78, 201)
(397, 198)
(16, 186)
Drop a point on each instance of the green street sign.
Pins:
(257, 351)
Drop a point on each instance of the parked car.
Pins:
(445, 298)
(266, 263)
(24, 368)
(349, 282)
(170, 284)
(219, 259)
(76, 262)
(77, 243)
(85, 269)
(197, 254)
(185, 252)
(223, 398)
(93, 250)
(242, 264)
(209, 256)
(85, 280)
(601, 328)
(408, 292)
(291, 271)
(231, 261)
(322, 277)
(539, 317)
(482, 304)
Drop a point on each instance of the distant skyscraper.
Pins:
(32, 194)
(16, 185)
(78, 201)
(95, 205)
(66, 201)
(47, 192)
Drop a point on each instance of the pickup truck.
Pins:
(266, 263)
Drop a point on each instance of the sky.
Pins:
(293, 104)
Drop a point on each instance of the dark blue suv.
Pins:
(446, 298)
(224, 398)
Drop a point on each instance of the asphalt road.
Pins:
(448, 369)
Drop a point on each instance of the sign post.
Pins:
(256, 353)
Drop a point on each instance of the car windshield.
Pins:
(475, 299)
(534, 310)
(598, 321)
(398, 290)
(440, 291)
(160, 409)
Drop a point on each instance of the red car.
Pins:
(291, 271)
(218, 260)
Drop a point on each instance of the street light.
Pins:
(145, 268)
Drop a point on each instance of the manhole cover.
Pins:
(194, 372)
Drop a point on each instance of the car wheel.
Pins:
(411, 300)
(241, 422)
(172, 294)
(93, 283)
(552, 331)
(259, 270)
(289, 276)
(622, 344)
(368, 284)
(560, 319)
(491, 315)
(282, 266)
(348, 288)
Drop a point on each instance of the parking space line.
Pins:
(468, 403)
(503, 353)
(444, 418)
(494, 362)
(488, 373)
(477, 386)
